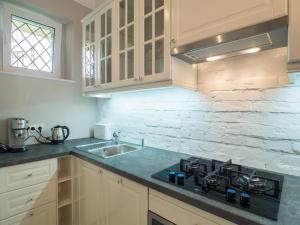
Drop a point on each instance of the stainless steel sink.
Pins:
(114, 150)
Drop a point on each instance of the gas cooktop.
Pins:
(248, 189)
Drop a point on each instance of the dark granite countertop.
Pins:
(140, 165)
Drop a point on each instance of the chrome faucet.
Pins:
(116, 137)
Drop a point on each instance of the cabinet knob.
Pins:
(100, 171)
(30, 200)
(173, 41)
(31, 214)
(30, 175)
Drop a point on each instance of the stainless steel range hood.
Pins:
(268, 35)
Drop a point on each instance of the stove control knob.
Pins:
(180, 178)
(230, 194)
(172, 176)
(244, 198)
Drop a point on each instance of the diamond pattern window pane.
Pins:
(32, 45)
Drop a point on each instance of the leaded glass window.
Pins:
(32, 45)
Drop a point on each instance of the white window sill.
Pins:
(2, 73)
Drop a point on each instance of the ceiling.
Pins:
(92, 4)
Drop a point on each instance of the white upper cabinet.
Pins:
(127, 42)
(294, 35)
(105, 38)
(89, 54)
(127, 47)
(194, 20)
(155, 40)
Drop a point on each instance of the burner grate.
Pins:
(212, 178)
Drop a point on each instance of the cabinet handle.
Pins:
(173, 41)
(120, 181)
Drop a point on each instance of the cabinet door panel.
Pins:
(181, 213)
(45, 215)
(106, 43)
(155, 40)
(90, 202)
(89, 55)
(16, 177)
(194, 20)
(126, 201)
(18, 201)
(126, 49)
(294, 32)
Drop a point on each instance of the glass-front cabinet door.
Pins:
(105, 62)
(155, 31)
(89, 54)
(127, 39)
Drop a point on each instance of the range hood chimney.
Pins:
(268, 35)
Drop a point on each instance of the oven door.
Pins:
(154, 219)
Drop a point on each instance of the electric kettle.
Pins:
(59, 134)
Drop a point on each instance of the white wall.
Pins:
(45, 102)
(51, 102)
(243, 111)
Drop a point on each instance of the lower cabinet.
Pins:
(108, 199)
(22, 200)
(181, 213)
(44, 215)
(91, 204)
(28, 193)
(126, 202)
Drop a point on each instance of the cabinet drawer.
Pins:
(22, 200)
(181, 213)
(45, 215)
(16, 177)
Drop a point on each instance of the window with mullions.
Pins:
(31, 45)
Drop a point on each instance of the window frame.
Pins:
(10, 10)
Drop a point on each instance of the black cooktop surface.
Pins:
(245, 188)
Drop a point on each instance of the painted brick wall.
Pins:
(243, 110)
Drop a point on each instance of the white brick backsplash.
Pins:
(243, 110)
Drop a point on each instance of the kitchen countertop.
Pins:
(140, 165)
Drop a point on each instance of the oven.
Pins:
(154, 219)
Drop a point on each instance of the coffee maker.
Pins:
(17, 134)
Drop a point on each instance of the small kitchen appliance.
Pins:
(17, 134)
(103, 131)
(59, 134)
(252, 190)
